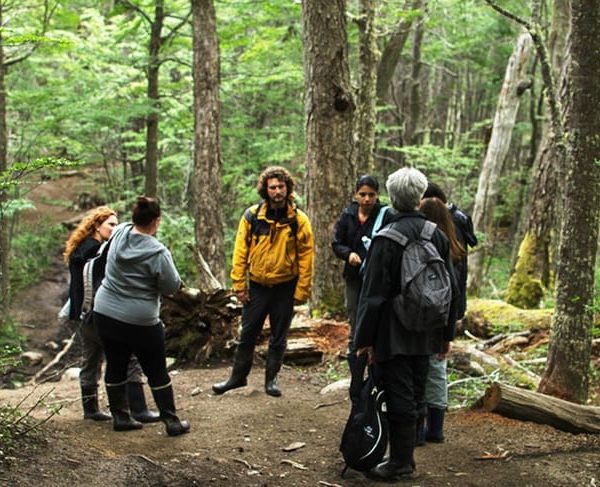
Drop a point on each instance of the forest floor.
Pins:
(240, 439)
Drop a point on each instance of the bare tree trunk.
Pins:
(365, 111)
(390, 58)
(504, 120)
(206, 177)
(531, 275)
(567, 368)
(153, 68)
(329, 110)
(414, 104)
(4, 275)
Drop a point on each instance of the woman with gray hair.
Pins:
(401, 354)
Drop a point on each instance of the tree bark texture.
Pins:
(152, 118)
(365, 113)
(207, 173)
(535, 263)
(4, 275)
(491, 169)
(412, 123)
(525, 405)
(329, 112)
(567, 369)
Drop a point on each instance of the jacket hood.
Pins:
(134, 247)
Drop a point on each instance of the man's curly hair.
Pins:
(275, 172)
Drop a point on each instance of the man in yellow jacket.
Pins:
(271, 271)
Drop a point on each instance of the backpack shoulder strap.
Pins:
(392, 234)
(428, 229)
(379, 220)
(251, 216)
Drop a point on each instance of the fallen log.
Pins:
(525, 405)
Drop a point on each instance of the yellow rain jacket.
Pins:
(269, 252)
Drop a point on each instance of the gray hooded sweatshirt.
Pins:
(139, 269)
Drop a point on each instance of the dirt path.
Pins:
(237, 440)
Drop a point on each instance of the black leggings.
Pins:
(120, 340)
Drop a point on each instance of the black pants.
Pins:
(276, 302)
(120, 340)
(403, 379)
(92, 356)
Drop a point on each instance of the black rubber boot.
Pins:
(89, 400)
(400, 465)
(165, 401)
(421, 431)
(242, 363)
(435, 425)
(137, 404)
(274, 361)
(119, 408)
(357, 366)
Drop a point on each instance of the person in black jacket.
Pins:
(83, 244)
(401, 356)
(466, 236)
(353, 231)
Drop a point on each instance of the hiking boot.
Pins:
(242, 363)
(119, 408)
(89, 400)
(163, 396)
(137, 404)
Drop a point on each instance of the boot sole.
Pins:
(222, 390)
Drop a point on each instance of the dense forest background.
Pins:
(191, 100)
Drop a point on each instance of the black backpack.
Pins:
(365, 436)
(261, 227)
(426, 288)
(93, 273)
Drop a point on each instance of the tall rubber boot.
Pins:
(242, 363)
(89, 400)
(357, 366)
(401, 464)
(137, 404)
(119, 408)
(163, 396)
(274, 361)
(435, 425)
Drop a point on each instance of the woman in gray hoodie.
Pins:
(139, 270)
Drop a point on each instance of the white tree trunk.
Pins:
(504, 121)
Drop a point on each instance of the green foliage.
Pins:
(176, 232)
(32, 254)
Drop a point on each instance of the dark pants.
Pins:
(92, 356)
(352, 294)
(276, 302)
(120, 340)
(403, 379)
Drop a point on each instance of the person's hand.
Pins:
(354, 259)
(243, 296)
(445, 351)
(368, 351)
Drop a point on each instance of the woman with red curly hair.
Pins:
(82, 245)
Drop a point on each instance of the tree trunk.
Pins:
(206, 177)
(532, 272)
(567, 369)
(153, 68)
(329, 110)
(412, 124)
(389, 160)
(504, 120)
(525, 405)
(365, 112)
(4, 275)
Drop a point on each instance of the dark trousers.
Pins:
(352, 294)
(403, 379)
(276, 302)
(120, 340)
(92, 356)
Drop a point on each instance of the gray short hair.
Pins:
(405, 188)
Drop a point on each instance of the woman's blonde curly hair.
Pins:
(86, 227)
